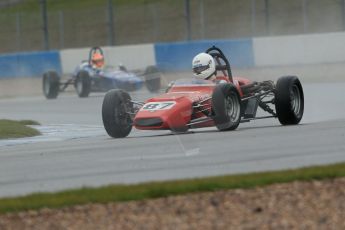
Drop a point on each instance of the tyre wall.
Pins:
(258, 52)
(133, 57)
(178, 56)
(242, 53)
(29, 64)
(299, 49)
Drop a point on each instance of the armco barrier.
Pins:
(263, 51)
(29, 64)
(178, 56)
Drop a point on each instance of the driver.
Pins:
(204, 67)
(97, 61)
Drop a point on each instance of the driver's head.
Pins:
(97, 60)
(204, 66)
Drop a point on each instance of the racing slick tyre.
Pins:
(51, 84)
(226, 105)
(83, 84)
(116, 119)
(289, 100)
(152, 79)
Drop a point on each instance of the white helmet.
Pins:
(203, 66)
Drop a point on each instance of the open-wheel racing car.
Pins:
(196, 103)
(90, 78)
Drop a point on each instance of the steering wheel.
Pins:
(222, 63)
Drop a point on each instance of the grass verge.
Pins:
(17, 129)
(116, 193)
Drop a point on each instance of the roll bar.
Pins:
(219, 56)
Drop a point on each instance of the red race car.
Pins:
(224, 102)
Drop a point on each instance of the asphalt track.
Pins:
(75, 151)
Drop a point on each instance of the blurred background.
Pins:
(30, 25)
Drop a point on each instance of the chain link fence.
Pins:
(7, 3)
(166, 21)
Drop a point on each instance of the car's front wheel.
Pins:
(51, 84)
(116, 109)
(83, 84)
(226, 105)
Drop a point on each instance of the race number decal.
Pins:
(153, 106)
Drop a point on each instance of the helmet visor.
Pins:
(199, 69)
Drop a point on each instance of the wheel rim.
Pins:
(295, 99)
(232, 107)
(121, 116)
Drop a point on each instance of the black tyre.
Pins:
(51, 84)
(83, 84)
(226, 105)
(152, 79)
(116, 119)
(289, 100)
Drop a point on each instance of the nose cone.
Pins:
(164, 114)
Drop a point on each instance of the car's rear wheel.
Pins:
(83, 84)
(226, 105)
(51, 84)
(115, 113)
(289, 100)
(152, 79)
